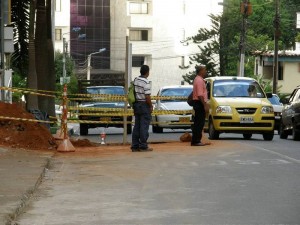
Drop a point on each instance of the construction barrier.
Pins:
(77, 111)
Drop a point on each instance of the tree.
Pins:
(34, 54)
(32, 100)
(208, 52)
(20, 20)
(73, 85)
(223, 39)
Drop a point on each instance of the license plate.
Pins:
(184, 119)
(105, 119)
(246, 120)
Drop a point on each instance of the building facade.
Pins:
(288, 69)
(155, 30)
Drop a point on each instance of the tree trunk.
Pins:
(32, 100)
(41, 45)
(51, 70)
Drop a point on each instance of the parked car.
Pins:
(58, 110)
(88, 109)
(290, 118)
(277, 106)
(238, 105)
(165, 121)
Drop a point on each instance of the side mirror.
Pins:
(285, 101)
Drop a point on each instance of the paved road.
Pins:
(115, 135)
(232, 181)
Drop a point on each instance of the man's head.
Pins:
(145, 70)
(201, 71)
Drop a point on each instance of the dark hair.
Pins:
(144, 69)
(199, 68)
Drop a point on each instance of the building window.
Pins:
(138, 8)
(58, 5)
(138, 35)
(138, 61)
(58, 35)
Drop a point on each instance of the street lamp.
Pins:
(88, 75)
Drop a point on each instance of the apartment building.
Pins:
(156, 30)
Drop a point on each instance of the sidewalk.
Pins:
(20, 173)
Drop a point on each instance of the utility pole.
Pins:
(2, 49)
(246, 10)
(276, 38)
(64, 60)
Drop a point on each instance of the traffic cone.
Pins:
(66, 145)
(102, 136)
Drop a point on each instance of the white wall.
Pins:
(167, 21)
(62, 21)
(291, 77)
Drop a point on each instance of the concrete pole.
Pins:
(276, 38)
(2, 50)
(88, 70)
(126, 90)
(242, 43)
(64, 60)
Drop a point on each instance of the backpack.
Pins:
(131, 94)
(190, 100)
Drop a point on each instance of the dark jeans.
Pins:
(199, 121)
(140, 133)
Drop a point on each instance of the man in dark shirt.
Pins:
(142, 111)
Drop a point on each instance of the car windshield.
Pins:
(181, 92)
(237, 88)
(106, 90)
(275, 100)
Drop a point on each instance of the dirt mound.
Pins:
(23, 134)
(82, 143)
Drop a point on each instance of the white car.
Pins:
(277, 106)
(58, 110)
(165, 121)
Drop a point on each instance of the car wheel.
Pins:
(156, 129)
(282, 133)
(295, 133)
(268, 136)
(247, 136)
(213, 134)
(129, 129)
(83, 129)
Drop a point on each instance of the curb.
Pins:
(27, 196)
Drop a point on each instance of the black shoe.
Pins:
(135, 149)
(146, 149)
(197, 144)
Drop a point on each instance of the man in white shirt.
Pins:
(142, 111)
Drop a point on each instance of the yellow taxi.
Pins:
(238, 105)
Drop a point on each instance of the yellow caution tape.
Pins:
(26, 92)
(36, 90)
(105, 114)
(23, 119)
(128, 122)
(97, 109)
(100, 99)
